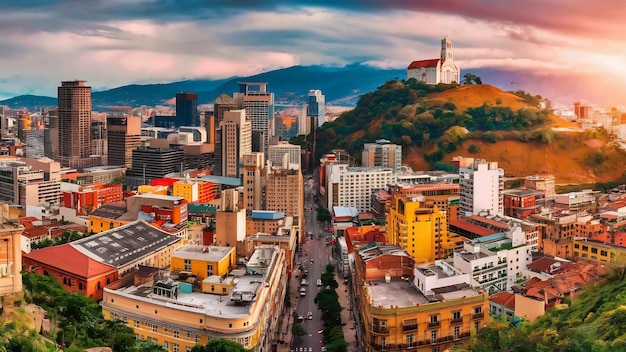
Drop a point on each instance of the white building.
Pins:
(284, 155)
(481, 184)
(382, 153)
(435, 71)
(353, 186)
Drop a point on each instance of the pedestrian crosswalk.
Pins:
(303, 349)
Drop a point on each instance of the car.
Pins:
(312, 260)
(319, 282)
(320, 331)
(324, 349)
(309, 315)
(300, 318)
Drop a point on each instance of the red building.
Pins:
(521, 203)
(89, 198)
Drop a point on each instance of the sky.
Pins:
(111, 43)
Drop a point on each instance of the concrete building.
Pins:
(74, 125)
(258, 104)
(409, 308)
(284, 192)
(481, 188)
(30, 183)
(230, 220)
(284, 155)
(420, 229)
(254, 181)
(182, 309)
(236, 137)
(354, 186)
(123, 136)
(542, 182)
(382, 153)
(316, 106)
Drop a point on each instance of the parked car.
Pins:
(303, 291)
(319, 282)
(304, 282)
(309, 315)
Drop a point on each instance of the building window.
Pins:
(456, 315)
(246, 341)
(209, 269)
(176, 348)
(409, 340)
(383, 342)
(154, 328)
(433, 336)
(457, 332)
(176, 334)
(434, 320)
(136, 323)
(187, 264)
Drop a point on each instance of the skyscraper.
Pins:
(236, 142)
(316, 106)
(259, 106)
(74, 125)
(123, 136)
(187, 109)
(481, 184)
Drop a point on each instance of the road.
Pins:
(314, 249)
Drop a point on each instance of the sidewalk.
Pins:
(287, 319)
(349, 330)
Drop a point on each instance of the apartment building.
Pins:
(481, 184)
(353, 186)
(215, 298)
(382, 153)
(30, 182)
(431, 309)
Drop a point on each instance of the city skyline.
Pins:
(114, 43)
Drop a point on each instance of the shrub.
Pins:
(473, 148)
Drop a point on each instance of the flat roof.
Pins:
(124, 245)
(208, 253)
(230, 181)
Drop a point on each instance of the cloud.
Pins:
(116, 42)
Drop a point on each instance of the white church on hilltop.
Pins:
(434, 71)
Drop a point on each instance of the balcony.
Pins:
(380, 329)
(478, 315)
(434, 324)
(456, 321)
(409, 327)
(443, 339)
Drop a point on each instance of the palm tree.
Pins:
(6, 334)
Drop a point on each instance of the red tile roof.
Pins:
(424, 63)
(505, 299)
(67, 258)
(475, 229)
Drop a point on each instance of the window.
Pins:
(594, 250)
(176, 348)
(176, 334)
(209, 269)
(187, 264)
(456, 315)
(476, 326)
(154, 328)
(383, 342)
(478, 309)
(409, 340)
(246, 341)
(166, 344)
(603, 253)
(136, 323)
(457, 332)
(433, 336)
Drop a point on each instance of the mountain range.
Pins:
(342, 86)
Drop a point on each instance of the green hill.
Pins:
(435, 123)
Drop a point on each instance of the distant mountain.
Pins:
(340, 85)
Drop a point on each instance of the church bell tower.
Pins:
(446, 49)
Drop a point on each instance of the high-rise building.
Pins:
(382, 153)
(236, 142)
(284, 155)
(316, 106)
(481, 184)
(253, 181)
(123, 136)
(259, 106)
(284, 192)
(152, 163)
(353, 186)
(187, 109)
(74, 125)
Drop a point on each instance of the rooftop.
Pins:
(207, 253)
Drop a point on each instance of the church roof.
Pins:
(424, 63)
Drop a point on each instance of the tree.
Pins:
(323, 214)
(298, 330)
(469, 78)
(220, 345)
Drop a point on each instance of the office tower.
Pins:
(253, 181)
(284, 192)
(222, 104)
(99, 141)
(316, 106)
(152, 163)
(74, 125)
(236, 142)
(481, 184)
(382, 153)
(187, 109)
(259, 106)
(284, 155)
(123, 136)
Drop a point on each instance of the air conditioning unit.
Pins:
(4, 270)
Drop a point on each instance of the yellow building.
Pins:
(108, 217)
(204, 261)
(182, 309)
(431, 310)
(420, 229)
(599, 251)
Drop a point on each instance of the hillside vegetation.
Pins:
(594, 321)
(436, 123)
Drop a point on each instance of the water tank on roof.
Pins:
(186, 287)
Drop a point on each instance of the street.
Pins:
(314, 257)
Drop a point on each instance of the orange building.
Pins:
(86, 199)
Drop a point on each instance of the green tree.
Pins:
(220, 345)
(298, 330)
(323, 214)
